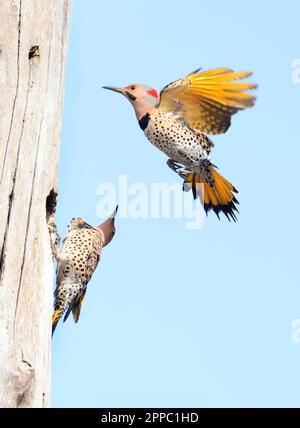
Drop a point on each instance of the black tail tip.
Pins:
(230, 210)
(54, 325)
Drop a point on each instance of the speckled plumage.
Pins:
(177, 121)
(179, 142)
(76, 264)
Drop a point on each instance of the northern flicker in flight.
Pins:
(76, 263)
(178, 120)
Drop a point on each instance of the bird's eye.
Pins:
(133, 87)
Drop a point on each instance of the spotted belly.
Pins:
(175, 139)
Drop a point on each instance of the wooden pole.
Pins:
(33, 48)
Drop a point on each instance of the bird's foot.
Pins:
(55, 238)
(179, 169)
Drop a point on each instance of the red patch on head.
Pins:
(153, 93)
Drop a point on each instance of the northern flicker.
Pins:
(178, 120)
(76, 263)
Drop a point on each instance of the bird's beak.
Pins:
(122, 91)
(115, 89)
(112, 217)
(115, 212)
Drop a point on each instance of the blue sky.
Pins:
(177, 317)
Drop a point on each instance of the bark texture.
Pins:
(33, 48)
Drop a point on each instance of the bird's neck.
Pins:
(142, 107)
(144, 121)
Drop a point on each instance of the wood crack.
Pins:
(11, 195)
(2, 256)
(16, 93)
(26, 362)
(15, 172)
(33, 178)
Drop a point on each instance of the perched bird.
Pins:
(178, 120)
(76, 263)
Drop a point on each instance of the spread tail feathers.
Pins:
(218, 197)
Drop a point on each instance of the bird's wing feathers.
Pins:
(93, 258)
(91, 265)
(89, 262)
(207, 100)
(76, 307)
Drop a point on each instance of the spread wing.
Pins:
(206, 101)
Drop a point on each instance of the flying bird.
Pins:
(76, 263)
(179, 120)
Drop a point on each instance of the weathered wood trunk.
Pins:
(33, 47)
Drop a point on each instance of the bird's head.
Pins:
(76, 224)
(141, 97)
(107, 228)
